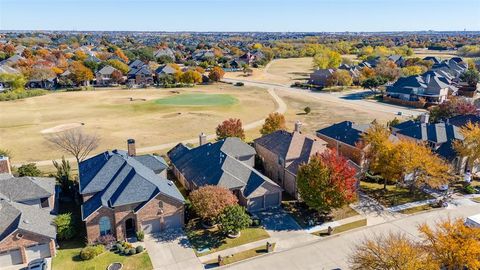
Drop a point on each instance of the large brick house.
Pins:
(27, 207)
(124, 193)
(282, 153)
(227, 163)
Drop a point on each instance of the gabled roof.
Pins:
(294, 148)
(437, 133)
(221, 164)
(5, 69)
(462, 120)
(347, 132)
(17, 216)
(119, 179)
(165, 69)
(21, 189)
(106, 70)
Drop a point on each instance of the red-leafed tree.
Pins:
(210, 201)
(452, 107)
(326, 182)
(230, 128)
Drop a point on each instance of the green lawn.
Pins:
(393, 195)
(416, 209)
(343, 228)
(68, 258)
(240, 256)
(198, 99)
(214, 240)
(302, 214)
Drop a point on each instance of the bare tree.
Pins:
(75, 142)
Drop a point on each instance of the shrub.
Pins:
(140, 236)
(65, 226)
(132, 251)
(139, 249)
(126, 251)
(106, 240)
(307, 110)
(118, 246)
(121, 249)
(127, 245)
(20, 94)
(234, 219)
(470, 190)
(90, 252)
(256, 222)
(239, 84)
(29, 169)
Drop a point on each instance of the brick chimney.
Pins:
(132, 151)
(5, 165)
(298, 126)
(202, 139)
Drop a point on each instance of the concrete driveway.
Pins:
(24, 266)
(276, 219)
(171, 251)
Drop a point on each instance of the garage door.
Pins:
(272, 200)
(37, 252)
(173, 222)
(151, 226)
(255, 204)
(10, 257)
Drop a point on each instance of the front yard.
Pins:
(393, 195)
(343, 228)
(68, 257)
(306, 217)
(206, 241)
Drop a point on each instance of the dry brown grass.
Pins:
(112, 115)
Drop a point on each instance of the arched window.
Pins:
(105, 226)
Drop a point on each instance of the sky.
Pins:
(241, 15)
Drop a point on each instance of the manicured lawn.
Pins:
(198, 99)
(68, 258)
(254, 252)
(416, 209)
(343, 228)
(302, 214)
(393, 195)
(214, 240)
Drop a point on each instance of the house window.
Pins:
(105, 226)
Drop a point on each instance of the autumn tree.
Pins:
(367, 73)
(413, 70)
(230, 128)
(471, 77)
(216, 74)
(75, 142)
(118, 65)
(275, 121)
(388, 70)
(117, 77)
(373, 83)
(389, 252)
(42, 74)
(452, 107)
(191, 76)
(327, 181)
(470, 146)
(340, 78)
(121, 55)
(210, 201)
(80, 74)
(327, 58)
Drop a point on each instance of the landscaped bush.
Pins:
(132, 251)
(126, 252)
(256, 222)
(118, 246)
(90, 252)
(121, 249)
(65, 226)
(470, 190)
(139, 249)
(106, 240)
(140, 236)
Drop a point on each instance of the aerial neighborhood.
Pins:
(156, 150)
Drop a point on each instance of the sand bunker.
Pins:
(61, 128)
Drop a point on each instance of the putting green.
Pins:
(198, 99)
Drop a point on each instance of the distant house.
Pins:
(282, 153)
(454, 67)
(124, 193)
(6, 84)
(27, 207)
(50, 83)
(165, 52)
(430, 86)
(139, 73)
(434, 59)
(12, 60)
(346, 138)
(320, 76)
(462, 120)
(227, 163)
(203, 55)
(165, 70)
(397, 59)
(104, 76)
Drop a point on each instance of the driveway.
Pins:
(171, 251)
(276, 219)
(24, 266)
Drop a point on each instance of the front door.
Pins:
(130, 227)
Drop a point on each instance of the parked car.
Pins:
(38, 264)
(473, 221)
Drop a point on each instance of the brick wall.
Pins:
(273, 170)
(346, 150)
(91, 223)
(28, 239)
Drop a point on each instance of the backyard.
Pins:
(151, 116)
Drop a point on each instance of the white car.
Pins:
(473, 221)
(38, 264)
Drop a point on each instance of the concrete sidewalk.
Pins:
(334, 224)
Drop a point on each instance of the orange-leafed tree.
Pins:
(121, 55)
(210, 201)
(326, 182)
(216, 74)
(80, 74)
(275, 121)
(230, 128)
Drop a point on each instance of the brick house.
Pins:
(27, 207)
(227, 163)
(282, 153)
(124, 193)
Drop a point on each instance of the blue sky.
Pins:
(240, 15)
